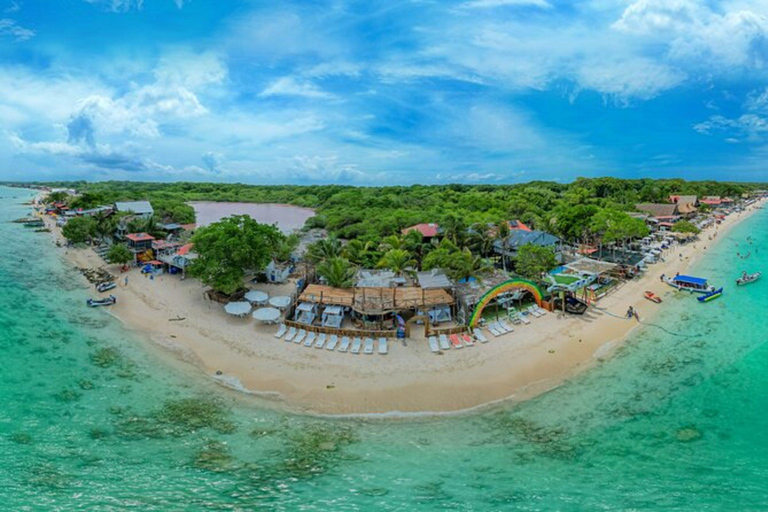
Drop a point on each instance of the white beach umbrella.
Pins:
(281, 302)
(256, 297)
(266, 315)
(238, 308)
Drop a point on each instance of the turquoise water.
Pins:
(92, 419)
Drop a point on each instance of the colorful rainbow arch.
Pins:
(505, 287)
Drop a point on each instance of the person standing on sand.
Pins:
(126, 281)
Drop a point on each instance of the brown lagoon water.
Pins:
(287, 217)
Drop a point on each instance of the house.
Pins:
(433, 279)
(179, 261)
(378, 279)
(140, 244)
(516, 224)
(711, 200)
(686, 205)
(519, 238)
(429, 231)
(140, 209)
(659, 211)
(277, 272)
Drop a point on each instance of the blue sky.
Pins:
(382, 92)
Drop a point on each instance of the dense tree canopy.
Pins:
(78, 229)
(684, 226)
(534, 260)
(119, 254)
(231, 247)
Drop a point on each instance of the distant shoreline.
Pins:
(410, 381)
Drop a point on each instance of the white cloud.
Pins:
(289, 86)
(489, 4)
(9, 27)
(749, 127)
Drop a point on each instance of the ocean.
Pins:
(93, 418)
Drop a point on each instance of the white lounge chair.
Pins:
(506, 326)
(368, 346)
(291, 334)
(495, 330)
(310, 339)
(332, 341)
(356, 345)
(383, 346)
(514, 315)
(344, 344)
(523, 318)
(300, 337)
(320, 343)
(532, 311)
(479, 336)
(444, 343)
(541, 310)
(433, 346)
(281, 331)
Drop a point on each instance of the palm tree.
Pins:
(357, 252)
(455, 229)
(481, 238)
(337, 272)
(104, 225)
(392, 242)
(397, 260)
(325, 249)
(502, 237)
(466, 265)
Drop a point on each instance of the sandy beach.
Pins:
(410, 379)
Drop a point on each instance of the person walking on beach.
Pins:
(126, 281)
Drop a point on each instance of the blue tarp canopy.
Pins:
(698, 281)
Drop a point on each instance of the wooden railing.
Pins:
(342, 332)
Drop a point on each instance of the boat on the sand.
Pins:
(652, 297)
(105, 286)
(107, 301)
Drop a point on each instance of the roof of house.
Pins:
(516, 224)
(170, 226)
(376, 300)
(139, 237)
(711, 200)
(185, 249)
(138, 207)
(433, 279)
(685, 204)
(657, 209)
(427, 230)
(518, 238)
(377, 278)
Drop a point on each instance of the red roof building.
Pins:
(711, 200)
(139, 237)
(516, 224)
(429, 230)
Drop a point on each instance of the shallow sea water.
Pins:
(94, 419)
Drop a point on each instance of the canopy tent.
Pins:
(266, 315)
(256, 297)
(333, 316)
(280, 302)
(238, 308)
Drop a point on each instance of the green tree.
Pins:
(119, 254)
(684, 226)
(465, 265)
(57, 197)
(533, 260)
(230, 247)
(322, 250)
(78, 229)
(285, 248)
(337, 272)
(359, 253)
(397, 260)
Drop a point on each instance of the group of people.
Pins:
(632, 312)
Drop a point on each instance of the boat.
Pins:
(689, 283)
(748, 278)
(107, 301)
(652, 297)
(105, 286)
(711, 295)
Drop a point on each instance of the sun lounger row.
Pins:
(322, 340)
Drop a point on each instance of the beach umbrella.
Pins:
(281, 302)
(256, 297)
(238, 308)
(266, 315)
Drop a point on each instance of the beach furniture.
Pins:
(515, 317)
(344, 344)
(444, 343)
(332, 341)
(541, 310)
(368, 346)
(535, 312)
(310, 339)
(320, 343)
(523, 318)
(467, 340)
(300, 337)
(455, 341)
(502, 330)
(383, 347)
(291, 334)
(506, 326)
(433, 346)
(479, 336)
(356, 344)
(280, 331)
(494, 328)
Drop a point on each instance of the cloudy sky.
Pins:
(373, 92)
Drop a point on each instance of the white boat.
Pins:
(689, 283)
(748, 278)
(108, 301)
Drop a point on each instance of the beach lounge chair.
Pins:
(368, 346)
(383, 346)
(500, 328)
(506, 326)
(444, 343)
(320, 343)
(356, 345)
(467, 340)
(514, 316)
(291, 334)
(433, 346)
(455, 341)
(479, 336)
(310, 339)
(300, 337)
(492, 329)
(280, 331)
(523, 318)
(541, 310)
(332, 341)
(344, 344)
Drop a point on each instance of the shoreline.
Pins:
(410, 382)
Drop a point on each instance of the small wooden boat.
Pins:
(748, 278)
(652, 297)
(105, 286)
(711, 295)
(107, 301)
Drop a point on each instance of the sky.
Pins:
(377, 92)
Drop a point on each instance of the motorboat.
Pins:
(105, 286)
(107, 301)
(652, 297)
(689, 283)
(748, 278)
(711, 295)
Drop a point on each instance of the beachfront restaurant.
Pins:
(140, 244)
